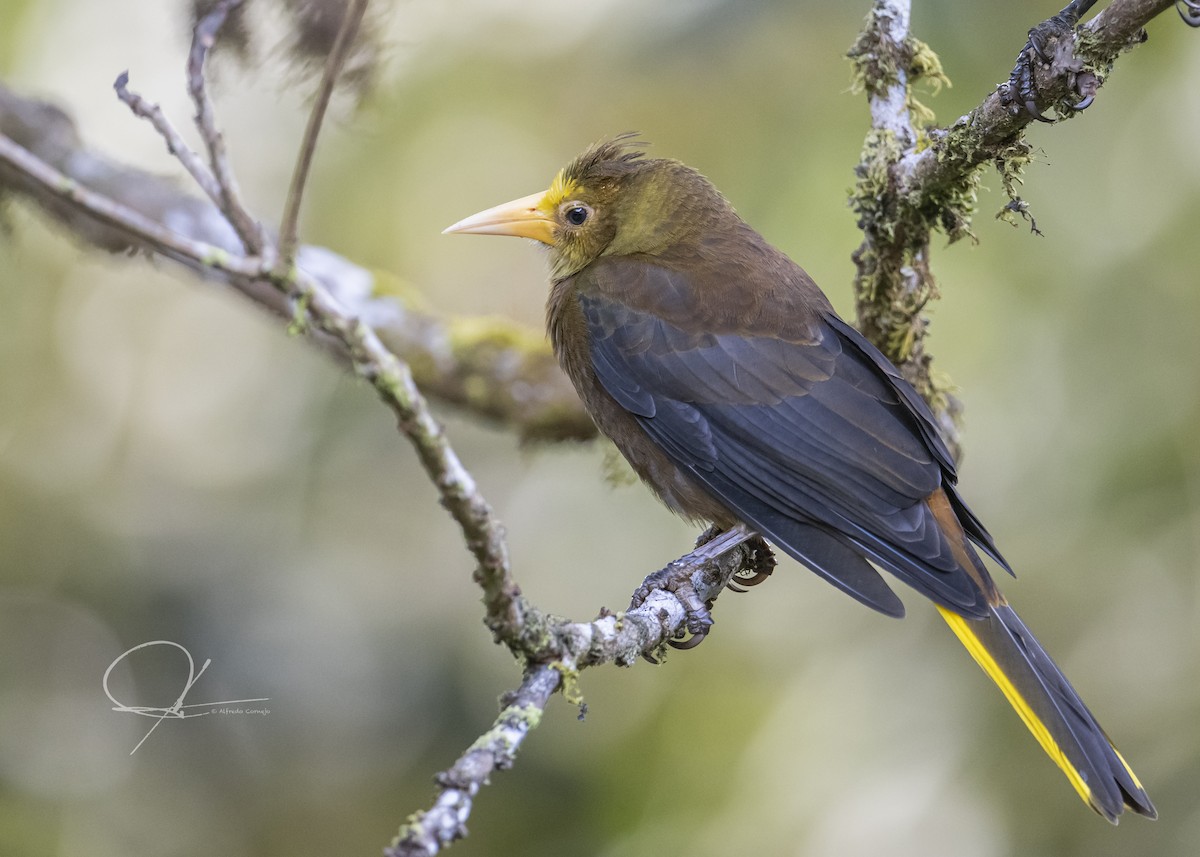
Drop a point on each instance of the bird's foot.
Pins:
(1051, 44)
(758, 569)
(676, 578)
(1189, 10)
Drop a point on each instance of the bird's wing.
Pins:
(818, 444)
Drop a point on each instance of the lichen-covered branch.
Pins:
(427, 832)
(988, 131)
(557, 650)
(910, 185)
(491, 367)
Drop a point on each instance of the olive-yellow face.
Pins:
(611, 200)
(574, 220)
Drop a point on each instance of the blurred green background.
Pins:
(174, 466)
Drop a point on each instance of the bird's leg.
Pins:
(1189, 10)
(1057, 31)
(714, 541)
(676, 578)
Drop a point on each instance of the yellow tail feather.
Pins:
(962, 629)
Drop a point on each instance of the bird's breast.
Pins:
(569, 336)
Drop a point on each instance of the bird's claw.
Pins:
(758, 569)
(687, 643)
(1051, 44)
(1189, 10)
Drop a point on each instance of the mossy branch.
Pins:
(913, 183)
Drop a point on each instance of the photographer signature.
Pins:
(177, 711)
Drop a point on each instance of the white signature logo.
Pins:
(177, 711)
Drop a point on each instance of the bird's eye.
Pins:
(577, 214)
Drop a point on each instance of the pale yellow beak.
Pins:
(523, 218)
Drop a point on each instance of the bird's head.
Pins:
(611, 200)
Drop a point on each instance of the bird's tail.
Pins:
(1053, 711)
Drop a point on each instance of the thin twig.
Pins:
(289, 226)
(104, 210)
(144, 109)
(204, 36)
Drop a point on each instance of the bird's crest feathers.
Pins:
(607, 159)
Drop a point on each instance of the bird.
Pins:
(723, 374)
